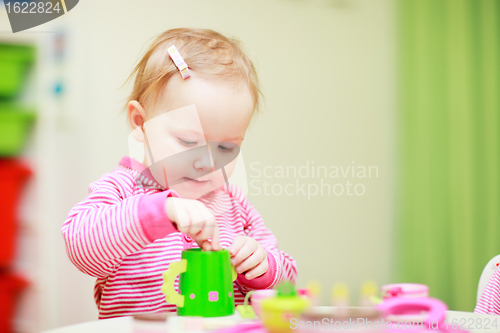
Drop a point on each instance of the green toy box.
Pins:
(15, 122)
(14, 62)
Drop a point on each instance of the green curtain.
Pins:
(449, 131)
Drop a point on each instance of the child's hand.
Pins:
(192, 217)
(247, 255)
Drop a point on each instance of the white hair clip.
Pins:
(179, 61)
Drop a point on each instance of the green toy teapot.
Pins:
(205, 283)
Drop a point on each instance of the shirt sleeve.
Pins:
(282, 267)
(111, 224)
(489, 302)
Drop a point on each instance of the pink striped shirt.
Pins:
(489, 302)
(121, 235)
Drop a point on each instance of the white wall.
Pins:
(327, 71)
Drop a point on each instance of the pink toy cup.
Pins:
(405, 290)
(258, 296)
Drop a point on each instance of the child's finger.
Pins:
(196, 229)
(204, 233)
(246, 251)
(209, 230)
(208, 219)
(238, 243)
(257, 271)
(255, 259)
(206, 246)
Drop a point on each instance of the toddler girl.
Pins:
(138, 218)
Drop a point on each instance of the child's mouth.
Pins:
(195, 183)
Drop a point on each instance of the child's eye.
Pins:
(187, 143)
(225, 149)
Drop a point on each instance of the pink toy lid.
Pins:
(304, 292)
(398, 289)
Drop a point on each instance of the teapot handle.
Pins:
(174, 269)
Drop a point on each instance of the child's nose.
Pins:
(203, 163)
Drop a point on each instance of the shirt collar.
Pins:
(143, 178)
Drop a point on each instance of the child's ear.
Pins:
(136, 117)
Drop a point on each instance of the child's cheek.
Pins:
(217, 179)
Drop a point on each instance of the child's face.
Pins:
(190, 116)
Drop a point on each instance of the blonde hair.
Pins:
(205, 51)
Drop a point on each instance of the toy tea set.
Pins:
(205, 281)
(206, 290)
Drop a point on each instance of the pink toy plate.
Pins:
(251, 327)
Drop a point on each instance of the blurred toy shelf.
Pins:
(28, 106)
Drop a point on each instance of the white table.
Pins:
(129, 325)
